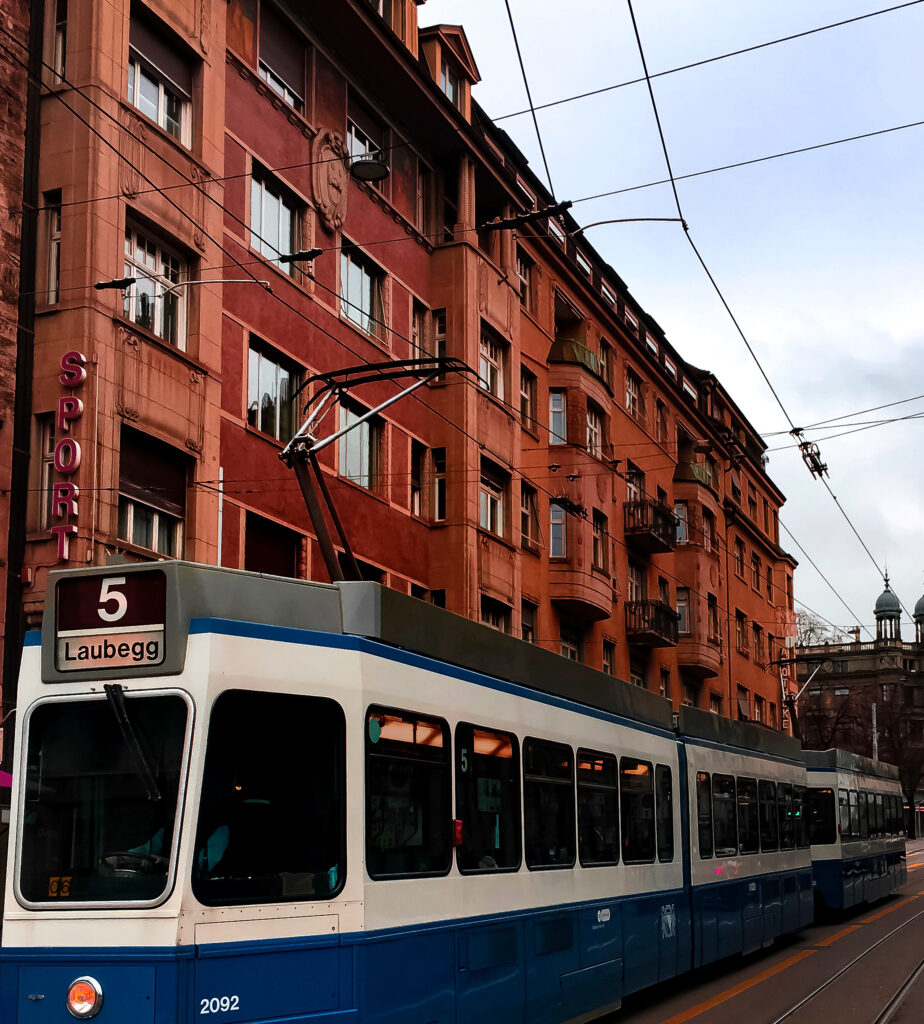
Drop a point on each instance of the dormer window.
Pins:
(449, 83)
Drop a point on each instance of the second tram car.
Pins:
(243, 799)
(857, 828)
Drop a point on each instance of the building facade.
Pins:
(583, 487)
(868, 696)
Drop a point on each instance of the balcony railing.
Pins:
(650, 526)
(651, 623)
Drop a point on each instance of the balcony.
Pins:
(651, 624)
(650, 526)
(698, 657)
(583, 595)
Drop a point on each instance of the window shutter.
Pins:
(153, 472)
(161, 53)
(282, 49)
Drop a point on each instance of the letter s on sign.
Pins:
(107, 596)
(74, 365)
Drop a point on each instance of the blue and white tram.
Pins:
(242, 798)
(857, 830)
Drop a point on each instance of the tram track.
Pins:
(898, 995)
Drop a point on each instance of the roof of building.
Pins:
(888, 603)
(919, 607)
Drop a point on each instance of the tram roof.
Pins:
(835, 758)
(695, 723)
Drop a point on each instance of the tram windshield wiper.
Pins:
(116, 697)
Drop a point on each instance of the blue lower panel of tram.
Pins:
(845, 883)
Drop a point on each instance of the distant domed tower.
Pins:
(889, 614)
(919, 621)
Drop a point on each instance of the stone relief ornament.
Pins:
(330, 178)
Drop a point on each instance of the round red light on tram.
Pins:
(84, 998)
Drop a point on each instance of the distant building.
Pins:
(868, 696)
(586, 488)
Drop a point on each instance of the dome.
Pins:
(919, 608)
(888, 604)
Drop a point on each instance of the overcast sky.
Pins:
(819, 255)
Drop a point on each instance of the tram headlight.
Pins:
(84, 998)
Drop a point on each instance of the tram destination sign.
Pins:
(110, 622)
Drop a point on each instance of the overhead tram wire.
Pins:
(858, 412)
(529, 98)
(711, 60)
(58, 95)
(718, 291)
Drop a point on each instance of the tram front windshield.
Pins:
(102, 780)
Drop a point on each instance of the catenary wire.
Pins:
(847, 415)
(711, 60)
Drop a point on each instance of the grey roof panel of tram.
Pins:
(836, 758)
(374, 611)
(705, 725)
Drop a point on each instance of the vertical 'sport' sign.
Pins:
(112, 621)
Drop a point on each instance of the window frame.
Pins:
(166, 89)
(371, 433)
(281, 364)
(372, 279)
(540, 783)
(628, 815)
(162, 283)
(558, 416)
(604, 786)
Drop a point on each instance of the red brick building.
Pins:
(585, 489)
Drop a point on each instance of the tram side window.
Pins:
(819, 810)
(787, 824)
(864, 815)
(487, 799)
(769, 822)
(638, 812)
(748, 825)
(272, 818)
(664, 792)
(598, 808)
(724, 813)
(407, 794)
(548, 804)
(704, 814)
(801, 819)
(880, 816)
(854, 815)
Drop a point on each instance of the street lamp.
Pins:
(627, 220)
(121, 283)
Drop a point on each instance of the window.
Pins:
(548, 804)
(598, 808)
(741, 633)
(748, 824)
(366, 134)
(439, 484)
(407, 794)
(606, 362)
(282, 58)
(724, 814)
(661, 420)
(631, 322)
(418, 457)
(583, 263)
(152, 494)
(757, 635)
(704, 814)
(680, 514)
(609, 657)
(53, 220)
(556, 231)
(638, 671)
(495, 614)
(739, 557)
(712, 611)
(594, 435)
(439, 334)
(669, 368)
(449, 83)
(769, 822)
(151, 301)
(487, 799)
(715, 703)
(59, 53)
(270, 547)
(600, 541)
(635, 482)
(558, 417)
(260, 777)
(634, 405)
(638, 813)
(755, 572)
(665, 812)
(744, 710)
(820, 811)
(769, 583)
(359, 446)
(558, 546)
(664, 685)
(708, 530)
(525, 279)
(570, 640)
(787, 823)
(635, 583)
(159, 79)
(362, 287)
(528, 615)
(85, 803)
(608, 293)
(418, 330)
(683, 610)
(802, 823)
(664, 591)
(491, 498)
(271, 381)
(529, 518)
(527, 398)
(752, 507)
(491, 363)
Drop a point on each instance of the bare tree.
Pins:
(900, 739)
(811, 630)
(832, 723)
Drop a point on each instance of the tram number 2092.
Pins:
(219, 1004)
